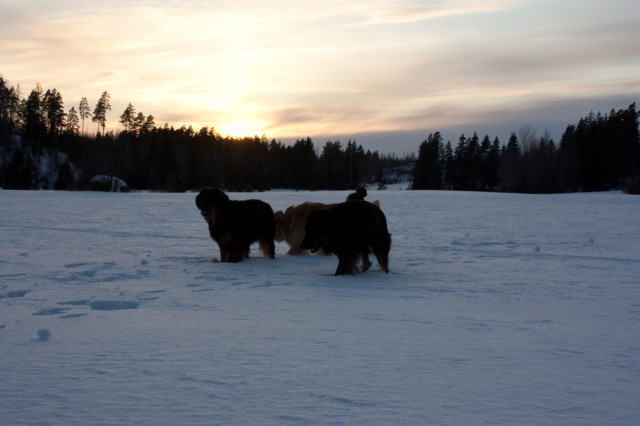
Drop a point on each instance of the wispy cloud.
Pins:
(415, 11)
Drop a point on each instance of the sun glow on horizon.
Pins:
(238, 129)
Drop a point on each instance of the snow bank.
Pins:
(108, 183)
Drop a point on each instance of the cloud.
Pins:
(415, 11)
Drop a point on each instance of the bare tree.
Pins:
(528, 138)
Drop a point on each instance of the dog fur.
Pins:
(350, 230)
(235, 225)
(290, 224)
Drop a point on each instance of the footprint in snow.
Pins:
(50, 311)
(113, 305)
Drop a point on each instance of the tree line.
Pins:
(601, 152)
(36, 134)
(42, 146)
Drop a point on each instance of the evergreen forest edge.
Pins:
(44, 147)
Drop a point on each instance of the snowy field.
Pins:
(499, 309)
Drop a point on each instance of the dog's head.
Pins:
(314, 231)
(209, 200)
(358, 195)
(283, 222)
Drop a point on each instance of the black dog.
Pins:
(235, 225)
(358, 195)
(349, 230)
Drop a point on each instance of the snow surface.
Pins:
(499, 309)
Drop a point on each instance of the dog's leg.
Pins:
(293, 250)
(294, 242)
(235, 255)
(366, 263)
(294, 246)
(225, 247)
(268, 247)
(383, 258)
(347, 264)
(224, 253)
(380, 248)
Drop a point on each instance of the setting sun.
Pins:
(238, 129)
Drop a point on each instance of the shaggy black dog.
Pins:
(235, 225)
(350, 230)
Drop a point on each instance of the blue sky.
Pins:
(385, 73)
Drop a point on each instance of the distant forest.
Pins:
(602, 152)
(44, 147)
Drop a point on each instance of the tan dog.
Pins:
(290, 224)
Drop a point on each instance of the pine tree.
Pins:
(54, 111)
(427, 171)
(148, 125)
(84, 111)
(484, 172)
(332, 166)
(449, 174)
(33, 117)
(128, 118)
(303, 161)
(100, 111)
(73, 121)
(511, 165)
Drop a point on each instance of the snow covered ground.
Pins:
(499, 309)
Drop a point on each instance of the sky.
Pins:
(383, 73)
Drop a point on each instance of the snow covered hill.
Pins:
(499, 309)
